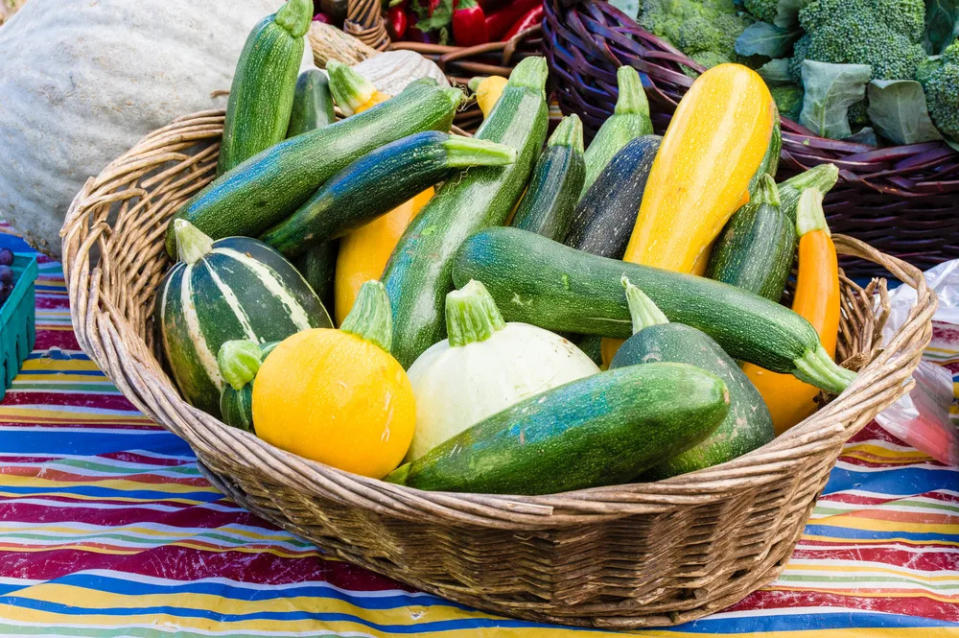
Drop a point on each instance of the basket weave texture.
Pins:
(622, 556)
(903, 200)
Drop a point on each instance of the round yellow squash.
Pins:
(337, 397)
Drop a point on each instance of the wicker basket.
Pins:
(622, 556)
(365, 21)
(903, 200)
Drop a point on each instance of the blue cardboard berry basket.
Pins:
(18, 319)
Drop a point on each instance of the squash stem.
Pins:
(350, 89)
(809, 213)
(822, 177)
(569, 132)
(530, 73)
(642, 310)
(191, 243)
(399, 475)
(470, 151)
(295, 17)
(370, 317)
(767, 193)
(239, 361)
(817, 368)
(471, 314)
(632, 97)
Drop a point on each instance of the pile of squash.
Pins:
(469, 277)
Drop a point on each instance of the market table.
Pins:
(107, 528)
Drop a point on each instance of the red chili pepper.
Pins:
(396, 22)
(528, 21)
(469, 24)
(499, 22)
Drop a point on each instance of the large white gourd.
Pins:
(81, 81)
(485, 366)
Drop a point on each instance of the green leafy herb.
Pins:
(942, 25)
(897, 109)
(441, 16)
(776, 72)
(762, 38)
(830, 90)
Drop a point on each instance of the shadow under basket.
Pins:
(622, 556)
(903, 200)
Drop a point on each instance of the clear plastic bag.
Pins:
(922, 417)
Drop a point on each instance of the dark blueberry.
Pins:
(6, 257)
(6, 274)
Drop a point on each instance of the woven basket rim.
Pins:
(112, 343)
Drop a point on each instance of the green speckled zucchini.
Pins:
(418, 276)
(746, 427)
(261, 96)
(599, 430)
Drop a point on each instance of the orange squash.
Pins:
(338, 396)
(817, 299)
(364, 252)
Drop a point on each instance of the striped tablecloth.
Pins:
(108, 529)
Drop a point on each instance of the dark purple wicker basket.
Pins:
(903, 200)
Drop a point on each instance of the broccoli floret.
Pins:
(705, 30)
(884, 34)
(788, 100)
(906, 17)
(939, 77)
(765, 10)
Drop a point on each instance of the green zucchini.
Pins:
(313, 109)
(559, 288)
(378, 182)
(748, 424)
(317, 264)
(312, 103)
(550, 198)
(630, 119)
(418, 276)
(265, 189)
(606, 214)
(757, 247)
(599, 430)
(770, 163)
(239, 360)
(822, 177)
(261, 96)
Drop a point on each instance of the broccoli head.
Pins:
(884, 34)
(705, 30)
(939, 77)
(765, 10)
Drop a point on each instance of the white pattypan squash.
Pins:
(485, 366)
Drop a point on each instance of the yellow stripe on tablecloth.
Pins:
(311, 627)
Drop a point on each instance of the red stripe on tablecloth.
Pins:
(187, 517)
(183, 563)
(946, 559)
(907, 605)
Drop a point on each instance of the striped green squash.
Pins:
(234, 288)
